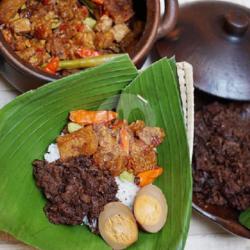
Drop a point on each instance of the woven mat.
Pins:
(185, 74)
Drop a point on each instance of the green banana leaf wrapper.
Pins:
(33, 120)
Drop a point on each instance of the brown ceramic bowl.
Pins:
(225, 217)
(25, 77)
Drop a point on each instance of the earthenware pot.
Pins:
(25, 77)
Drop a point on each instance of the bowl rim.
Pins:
(230, 226)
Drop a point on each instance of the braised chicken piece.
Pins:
(82, 142)
(151, 136)
(142, 157)
(115, 145)
(109, 154)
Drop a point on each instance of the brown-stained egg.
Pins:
(150, 208)
(117, 226)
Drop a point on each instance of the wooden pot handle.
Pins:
(169, 19)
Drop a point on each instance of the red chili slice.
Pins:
(52, 66)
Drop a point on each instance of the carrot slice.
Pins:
(148, 177)
(85, 117)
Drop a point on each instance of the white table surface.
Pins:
(203, 234)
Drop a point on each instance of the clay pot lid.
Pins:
(215, 38)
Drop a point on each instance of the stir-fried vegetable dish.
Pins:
(63, 36)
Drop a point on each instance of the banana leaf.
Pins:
(154, 97)
(32, 121)
(244, 218)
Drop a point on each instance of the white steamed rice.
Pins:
(126, 192)
(52, 153)
(91, 225)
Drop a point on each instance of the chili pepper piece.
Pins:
(53, 66)
(124, 140)
(86, 117)
(148, 177)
